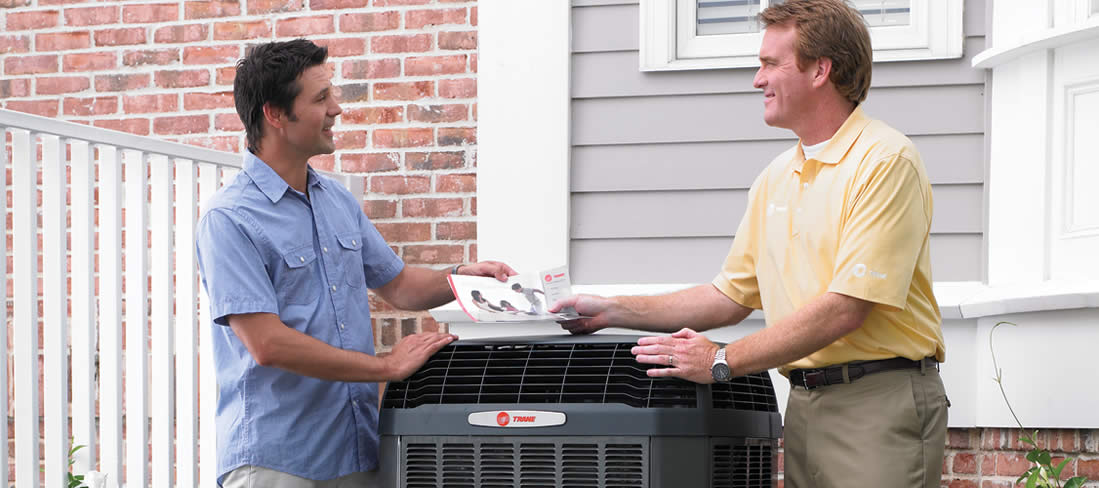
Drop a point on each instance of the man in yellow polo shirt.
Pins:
(834, 249)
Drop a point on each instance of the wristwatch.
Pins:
(720, 369)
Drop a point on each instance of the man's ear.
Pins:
(823, 67)
(274, 116)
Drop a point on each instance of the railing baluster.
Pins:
(25, 330)
(186, 338)
(163, 385)
(82, 211)
(137, 337)
(207, 186)
(4, 434)
(55, 360)
(110, 314)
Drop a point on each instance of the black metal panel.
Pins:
(750, 392)
(740, 464)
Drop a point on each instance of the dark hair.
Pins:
(270, 74)
(517, 287)
(829, 29)
(476, 295)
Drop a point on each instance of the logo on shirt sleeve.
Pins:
(860, 270)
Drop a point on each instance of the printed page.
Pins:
(523, 298)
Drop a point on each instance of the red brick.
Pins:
(473, 63)
(350, 139)
(226, 75)
(458, 88)
(405, 231)
(458, 40)
(89, 61)
(206, 9)
(434, 254)
(180, 33)
(965, 463)
(142, 104)
(58, 85)
(456, 231)
(273, 6)
(14, 88)
(428, 324)
(410, 90)
(77, 17)
(207, 101)
(435, 65)
(372, 68)
(370, 22)
(462, 183)
(388, 329)
(33, 20)
(473, 247)
(228, 122)
(181, 124)
(457, 136)
(962, 484)
(324, 162)
(121, 82)
(400, 185)
(418, 19)
(401, 43)
(402, 137)
(437, 113)
(305, 26)
(133, 126)
(120, 37)
(15, 44)
(431, 207)
(183, 78)
(45, 108)
(210, 55)
(15, 4)
(338, 48)
(987, 462)
(239, 31)
(62, 41)
(334, 4)
(29, 65)
(473, 16)
(387, 3)
(149, 13)
(1011, 464)
(1088, 468)
(380, 209)
(151, 57)
(434, 160)
(957, 439)
(368, 162)
(217, 143)
(373, 115)
(91, 106)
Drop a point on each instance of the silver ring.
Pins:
(671, 360)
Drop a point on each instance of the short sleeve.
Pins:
(232, 269)
(380, 263)
(737, 279)
(885, 228)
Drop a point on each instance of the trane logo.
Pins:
(519, 418)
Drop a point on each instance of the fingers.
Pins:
(564, 302)
(661, 359)
(665, 372)
(653, 349)
(657, 340)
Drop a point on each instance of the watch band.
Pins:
(720, 356)
(454, 270)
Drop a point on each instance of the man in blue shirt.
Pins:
(287, 256)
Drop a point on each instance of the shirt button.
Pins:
(325, 249)
(354, 243)
(302, 258)
(333, 287)
(805, 185)
(341, 325)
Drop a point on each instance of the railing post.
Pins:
(186, 338)
(55, 330)
(83, 305)
(163, 385)
(4, 316)
(137, 337)
(25, 330)
(110, 314)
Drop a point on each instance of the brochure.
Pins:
(523, 298)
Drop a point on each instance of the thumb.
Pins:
(564, 302)
(685, 333)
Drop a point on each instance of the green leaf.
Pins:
(1076, 482)
(1044, 458)
(1032, 456)
(1032, 480)
(1060, 467)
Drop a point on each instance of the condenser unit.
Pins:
(579, 411)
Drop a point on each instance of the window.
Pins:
(698, 34)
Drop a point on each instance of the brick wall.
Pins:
(407, 69)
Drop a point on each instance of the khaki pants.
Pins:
(259, 477)
(884, 429)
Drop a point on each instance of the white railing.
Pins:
(168, 409)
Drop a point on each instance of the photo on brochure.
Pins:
(522, 298)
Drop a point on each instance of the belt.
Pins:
(833, 375)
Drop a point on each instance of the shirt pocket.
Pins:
(351, 257)
(294, 283)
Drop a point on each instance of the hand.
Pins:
(412, 351)
(596, 309)
(688, 354)
(487, 268)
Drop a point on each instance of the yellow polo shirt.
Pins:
(854, 220)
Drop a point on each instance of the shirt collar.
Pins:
(843, 139)
(269, 182)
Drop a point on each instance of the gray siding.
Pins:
(654, 154)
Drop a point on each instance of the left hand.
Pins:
(496, 269)
(688, 354)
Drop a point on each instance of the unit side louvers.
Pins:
(750, 392)
(539, 373)
(742, 466)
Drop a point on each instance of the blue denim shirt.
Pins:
(264, 247)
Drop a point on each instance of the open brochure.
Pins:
(523, 298)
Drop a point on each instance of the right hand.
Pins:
(596, 310)
(412, 351)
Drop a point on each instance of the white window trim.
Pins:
(668, 43)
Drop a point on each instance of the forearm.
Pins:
(288, 349)
(699, 308)
(419, 289)
(816, 325)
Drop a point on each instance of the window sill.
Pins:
(1046, 39)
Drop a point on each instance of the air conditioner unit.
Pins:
(572, 411)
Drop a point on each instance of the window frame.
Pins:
(668, 41)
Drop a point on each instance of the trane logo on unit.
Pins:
(516, 418)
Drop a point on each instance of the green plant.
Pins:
(1043, 473)
(72, 481)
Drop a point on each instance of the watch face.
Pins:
(720, 372)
